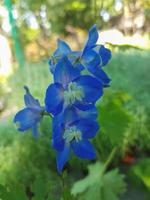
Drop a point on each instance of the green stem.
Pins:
(109, 159)
(63, 187)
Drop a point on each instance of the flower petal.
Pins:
(90, 113)
(26, 119)
(70, 116)
(92, 88)
(52, 65)
(57, 130)
(90, 59)
(105, 55)
(62, 158)
(30, 101)
(73, 56)
(92, 38)
(83, 149)
(35, 131)
(84, 106)
(54, 98)
(65, 72)
(62, 48)
(88, 128)
(77, 114)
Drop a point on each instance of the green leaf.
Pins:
(14, 193)
(40, 189)
(142, 171)
(114, 120)
(98, 185)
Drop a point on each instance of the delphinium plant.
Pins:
(78, 83)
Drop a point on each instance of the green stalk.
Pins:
(109, 159)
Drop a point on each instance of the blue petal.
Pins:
(52, 65)
(70, 116)
(26, 119)
(88, 128)
(65, 72)
(90, 113)
(73, 114)
(90, 59)
(105, 55)
(79, 66)
(30, 101)
(100, 74)
(62, 158)
(62, 49)
(57, 130)
(54, 98)
(84, 106)
(83, 149)
(73, 56)
(92, 38)
(92, 88)
(35, 131)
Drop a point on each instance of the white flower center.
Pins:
(71, 134)
(73, 93)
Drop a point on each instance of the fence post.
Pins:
(16, 42)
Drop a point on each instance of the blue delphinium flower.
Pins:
(71, 99)
(71, 133)
(93, 57)
(71, 89)
(29, 117)
(62, 50)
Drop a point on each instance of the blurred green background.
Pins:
(28, 34)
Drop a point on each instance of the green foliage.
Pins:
(40, 188)
(137, 133)
(118, 118)
(27, 165)
(142, 171)
(13, 193)
(114, 119)
(36, 76)
(61, 13)
(129, 71)
(98, 185)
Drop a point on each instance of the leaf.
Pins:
(114, 118)
(14, 193)
(98, 185)
(142, 171)
(40, 189)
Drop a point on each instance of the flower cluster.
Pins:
(78, 82)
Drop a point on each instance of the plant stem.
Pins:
(109, 159)
(63, 187)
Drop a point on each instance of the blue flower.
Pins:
(29, 117)
(62, 50)
(71, 89)
(73, 134)
(93, 57)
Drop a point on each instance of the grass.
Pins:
(36, 76)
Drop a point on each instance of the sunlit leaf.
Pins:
(98, 185)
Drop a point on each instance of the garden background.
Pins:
(28, 35)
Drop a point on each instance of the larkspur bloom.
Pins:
(71, 99)
(93, 57)
(72, 134)
(71, 89)
(29, 117)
